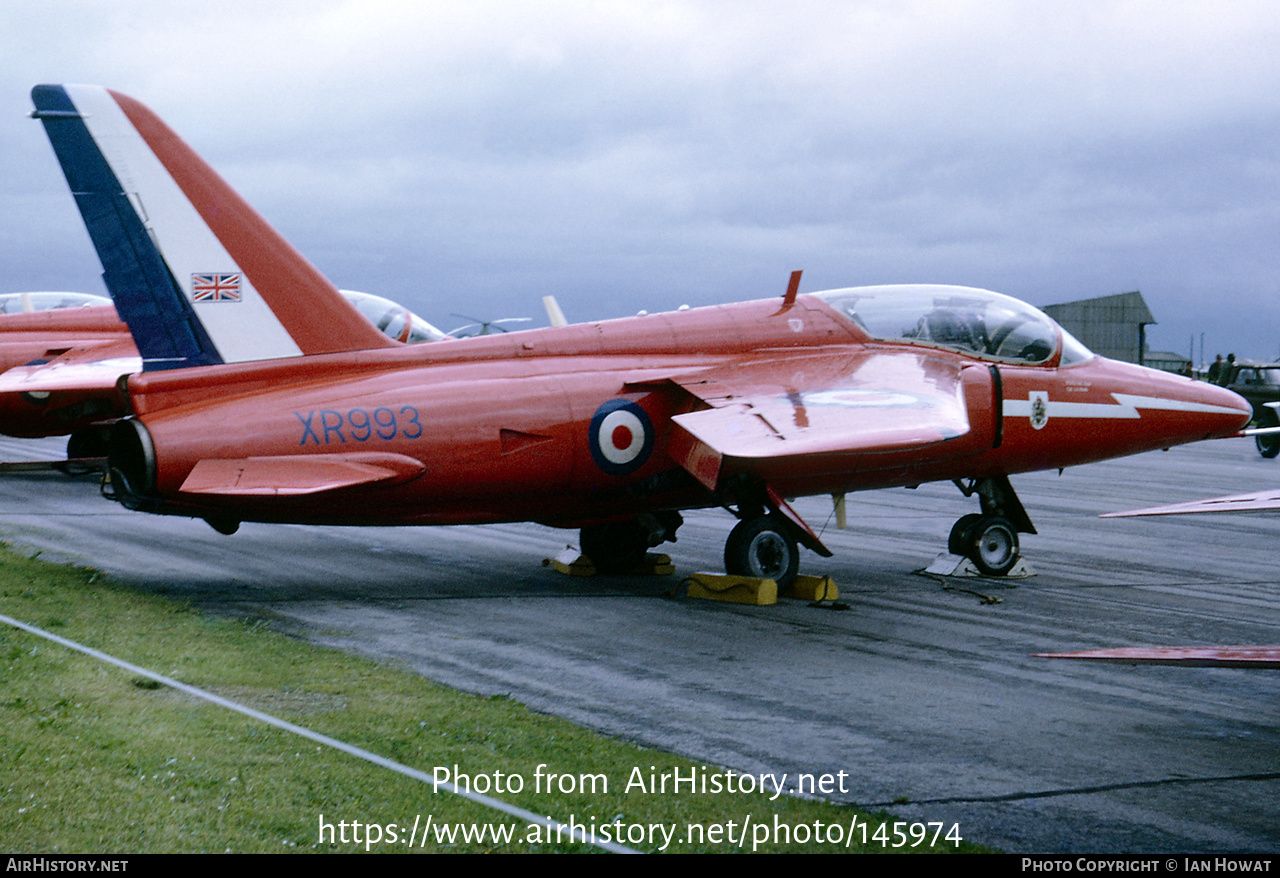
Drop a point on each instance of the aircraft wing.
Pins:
(69, 374)
(777, 415)
(1257, 501)
(75, 388)
(1187, 656)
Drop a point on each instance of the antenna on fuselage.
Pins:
(793, 287)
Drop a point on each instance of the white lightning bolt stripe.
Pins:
(1126, 407)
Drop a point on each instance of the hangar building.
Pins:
(1113, 326)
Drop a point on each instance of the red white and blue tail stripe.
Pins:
(199, 277)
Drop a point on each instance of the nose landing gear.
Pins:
(990, 539)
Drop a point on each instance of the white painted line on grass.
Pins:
(561, 829)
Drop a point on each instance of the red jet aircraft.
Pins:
(61, 355)
(61, 328)
(264, 397)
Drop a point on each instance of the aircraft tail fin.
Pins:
(199, 277)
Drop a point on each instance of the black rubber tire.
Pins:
(993, 545)
(615, 546)
(958, 542)
(762, 547)
(1269, 445)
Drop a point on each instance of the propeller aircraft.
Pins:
(263, 395)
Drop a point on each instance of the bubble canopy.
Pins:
(17, 303)
(393, 319)
(963, 318)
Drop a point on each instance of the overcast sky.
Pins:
(472, 157)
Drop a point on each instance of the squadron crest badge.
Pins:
(1039, 409)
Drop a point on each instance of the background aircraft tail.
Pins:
(199, 277)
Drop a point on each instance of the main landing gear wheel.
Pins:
(616, 546)
(762, 547)
(991, 543)
(958, 542)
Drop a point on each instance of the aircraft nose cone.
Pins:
(1234, 411)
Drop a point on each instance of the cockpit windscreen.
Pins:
(964, 318)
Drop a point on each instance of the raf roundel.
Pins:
(621, 437)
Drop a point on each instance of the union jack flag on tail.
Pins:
(215, 287)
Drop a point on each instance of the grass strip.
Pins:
(96, 760)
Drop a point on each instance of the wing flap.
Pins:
(297, 475)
